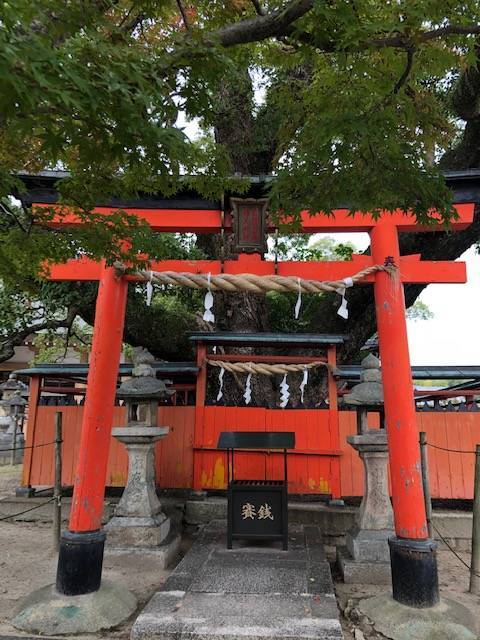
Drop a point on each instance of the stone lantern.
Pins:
(367, 557)
(13, 406)
(7, 390)
(139, 520)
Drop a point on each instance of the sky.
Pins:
(452, 336)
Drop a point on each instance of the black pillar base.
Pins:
(80, 561)
(24, 492)
(414, 572)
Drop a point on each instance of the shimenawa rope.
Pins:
(254, 283)
(264, 368)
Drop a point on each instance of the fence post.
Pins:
(426, 481)
(475, 561)
(57, 489)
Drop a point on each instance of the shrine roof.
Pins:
(266, 339)
(433, 372)
(40, 188)
(81, 370)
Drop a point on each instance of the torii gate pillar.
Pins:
(80, 558)
(412, 554)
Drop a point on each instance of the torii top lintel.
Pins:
(210, 220)
(412, 269)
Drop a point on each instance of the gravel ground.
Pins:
(27, 562)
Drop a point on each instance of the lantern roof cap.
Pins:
(15, 400)
(143, 384)
(12, 384)
(144, 388)
(370, 390)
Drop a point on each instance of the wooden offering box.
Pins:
(257, 509)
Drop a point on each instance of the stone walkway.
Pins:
(246, 593)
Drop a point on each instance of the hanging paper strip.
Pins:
(149, 290)
(299, 301)
(284, 392)
(208, 303)
(303, 384)
(220, 380)
(343, 308)
(248, 389)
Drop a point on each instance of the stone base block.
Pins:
(137, 532)
(448, 620)
(48, 612)
(6, 443)
(368, 545)
(357, 572)
(164, 554)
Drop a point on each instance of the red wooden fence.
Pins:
(314, 466)
(174, 454)
(322, 463)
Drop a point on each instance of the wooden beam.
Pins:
(412, 269)
(210, 220)
(341, 220)
(237, 357)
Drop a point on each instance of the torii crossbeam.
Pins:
(413, 560)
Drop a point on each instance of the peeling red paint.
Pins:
(409, 508)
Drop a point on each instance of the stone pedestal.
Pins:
(366, 557)
(7, 425)
(139, 520)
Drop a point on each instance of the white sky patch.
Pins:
(191, 128)
(452, 336)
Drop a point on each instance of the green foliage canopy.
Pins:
(354, 106)
(357, 89)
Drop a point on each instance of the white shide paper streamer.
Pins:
(285, 393)
(149, 289)
(343, 308)
(208, 303)
(220, 380)
(299, 301)
(303, 384)
(248, 389)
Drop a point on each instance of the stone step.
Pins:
(249, 592)
(172, 615)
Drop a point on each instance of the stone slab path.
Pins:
(250, 592)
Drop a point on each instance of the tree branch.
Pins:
(184, 14)
(7, 346)
(278, 24)
(275, 24)
(258, 8)
(400, 41)
(404, 77)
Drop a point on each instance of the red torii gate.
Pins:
(413, 559)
